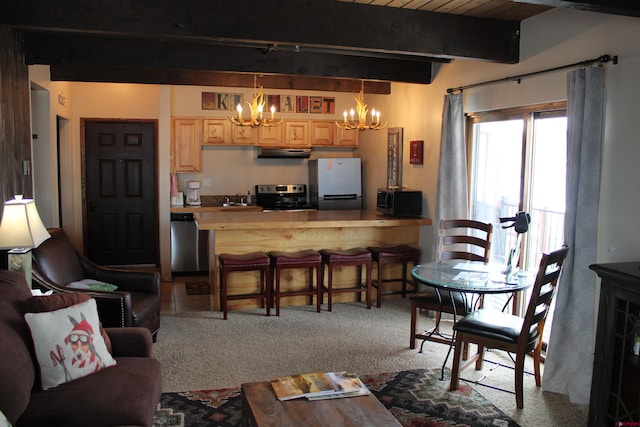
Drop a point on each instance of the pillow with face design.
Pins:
(68, 343)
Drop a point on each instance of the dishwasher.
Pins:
(189, 253)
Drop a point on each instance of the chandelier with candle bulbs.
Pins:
(256, 106)
(350, 121)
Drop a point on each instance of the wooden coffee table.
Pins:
(261, 408)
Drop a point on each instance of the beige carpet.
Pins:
(199, 350)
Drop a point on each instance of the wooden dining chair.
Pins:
(491, 328)
(463, 239)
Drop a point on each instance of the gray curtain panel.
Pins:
(452, 200)
(569, 362)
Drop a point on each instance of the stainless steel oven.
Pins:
(280, 197)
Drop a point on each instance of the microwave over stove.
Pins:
(399, 203)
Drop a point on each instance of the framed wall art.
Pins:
(415, 152)
(394, 158)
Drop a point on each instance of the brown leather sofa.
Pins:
(124, 394)
(136, 302)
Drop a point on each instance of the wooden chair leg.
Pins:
(455, 368)
(414, 325)
(319, 283)
(536, 367)
(329, 287)
(368, 284)
(379, 285)
(519, 373)
(480, 357)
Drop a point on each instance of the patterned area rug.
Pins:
(416, 398)
(197, 288)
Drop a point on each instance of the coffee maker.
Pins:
(192, 193)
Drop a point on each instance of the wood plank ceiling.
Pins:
(293, 44)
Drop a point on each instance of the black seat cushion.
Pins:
(429, 300)
(493, 324)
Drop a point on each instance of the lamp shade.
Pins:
(21, 226)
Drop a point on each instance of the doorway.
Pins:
(120, 192)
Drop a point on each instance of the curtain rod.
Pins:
(600, 60)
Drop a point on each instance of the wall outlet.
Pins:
(206, 182)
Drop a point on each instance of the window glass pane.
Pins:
(496, 180)
(548, 183)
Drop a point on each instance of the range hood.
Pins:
(284, 153)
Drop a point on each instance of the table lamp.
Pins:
(21, 230)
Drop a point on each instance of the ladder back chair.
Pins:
(491, 328)
(462, 239)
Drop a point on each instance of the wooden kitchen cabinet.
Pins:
(348, 138)
(186, 145)
(244, 135)
(271, 136)
(615, 390)
(323, 133)
(216, 132)
(297, 133)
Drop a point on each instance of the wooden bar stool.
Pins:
(309, 259)
(400, 254)
(350, 257)
(258, 261)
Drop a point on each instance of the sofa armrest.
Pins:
(126, 280)
(130, 342)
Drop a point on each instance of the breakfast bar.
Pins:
(242, 232)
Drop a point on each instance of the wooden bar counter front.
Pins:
(242, 232)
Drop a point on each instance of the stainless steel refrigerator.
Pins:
(335, 183)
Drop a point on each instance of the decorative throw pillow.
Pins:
(68, 343)
(92, 285)
(41, 303)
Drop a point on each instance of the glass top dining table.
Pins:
(471, 276)
(468, 277)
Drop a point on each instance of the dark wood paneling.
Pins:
(15, 117)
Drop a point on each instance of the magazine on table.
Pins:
(318, 385)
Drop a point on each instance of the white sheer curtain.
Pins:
(569, 362)
(452, 199)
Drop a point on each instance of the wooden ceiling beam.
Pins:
(97, 51)
(306, 24)
(213, 78)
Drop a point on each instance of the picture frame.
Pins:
(416, 148)
(394, 157)
(302, 104)
(272, 101)
(208, 100)
(315, 104)
(287, 103)
(328, 105)
(236, 98)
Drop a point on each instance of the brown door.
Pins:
(120, 192)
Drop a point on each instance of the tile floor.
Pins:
(174, 298)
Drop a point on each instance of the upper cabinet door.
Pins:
(348, 138)
(270, 136)
(323, 133)
(187, 138)
(244, 135)
(216, 131)
(297, 133)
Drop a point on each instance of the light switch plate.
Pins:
(206, 182)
